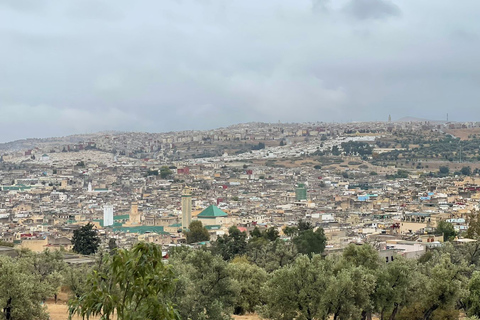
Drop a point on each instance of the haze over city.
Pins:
(86, 66)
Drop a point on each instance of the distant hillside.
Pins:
(31, 143)
(414, 119)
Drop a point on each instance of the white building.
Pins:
(107, 215)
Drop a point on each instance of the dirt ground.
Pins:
(59, 311)
(464, 133)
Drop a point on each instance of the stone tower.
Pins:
(186, 208)
(134, 214)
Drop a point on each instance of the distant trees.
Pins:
(270, 234)
(165, 172)
(401, 174)
(197, 232)
(444, 170)
(466, 171)
(152, 172)
(272, 255)
(447, 229)
(85, 240)
(310, 242)
(305, 239)
(231, 245)
(258, 146)
(473, 231)
(335, 151)
(357, 148)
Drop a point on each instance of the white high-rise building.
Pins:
(107, 215)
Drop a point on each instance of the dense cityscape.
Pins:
(400, 189)
(239, 160)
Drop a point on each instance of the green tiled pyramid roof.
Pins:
(212, 212)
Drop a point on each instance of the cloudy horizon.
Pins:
(81, 66)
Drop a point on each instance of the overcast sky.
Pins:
(82, 66)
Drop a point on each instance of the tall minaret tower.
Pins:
(135, 218)
(186, 208)
(389, 118)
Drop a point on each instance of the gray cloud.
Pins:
(320, 5)
(372, 9)
(73, 66)
(23, 5)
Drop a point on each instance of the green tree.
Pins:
(165, 172)
(361, 256)
(112, 244)
(250, 279)
(304, 225)
(298, 291)
(23, 289)
(205, 288)
(473, 231)
(231, 245)
(50, 266)
(365, 257)
(473, 299)
(197, 232)
(271, 234)
(132, 284)
(290, 231)
(310, 242)
(396, 281)
(255, 233)
(444, 170)
(349, 293)
(441, 285)
(447, 229)
(466, 171)
(85, 240)
(271, 255)
(75, 279)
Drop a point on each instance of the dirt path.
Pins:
(59, 311)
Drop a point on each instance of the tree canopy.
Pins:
(26, 282)
(197, 232)
(132, 284)
(85, 240)
(231, 245)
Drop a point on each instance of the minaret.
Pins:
(134, 215)
(389, 118)
(186, 208)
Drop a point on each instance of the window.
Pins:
(391, 258)
(386, 258)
